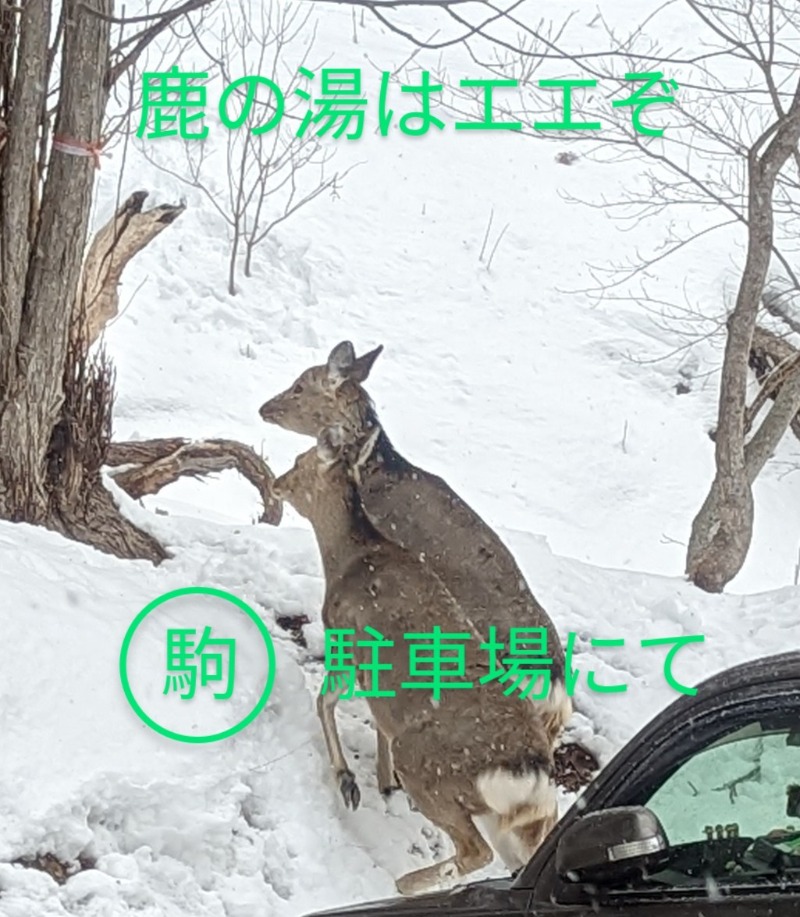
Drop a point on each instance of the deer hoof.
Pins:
(390, 785)
(349, 789)
(388, 788)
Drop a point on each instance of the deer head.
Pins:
(301, 485)
(313, 470)
(326, 395)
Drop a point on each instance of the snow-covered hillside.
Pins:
(254, 825)
(556, 418)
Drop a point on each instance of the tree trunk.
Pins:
(723, 528)
(79, 505)
(123, 237)
(40, 280)
(55, 406)
(232, 261)
(721, 533)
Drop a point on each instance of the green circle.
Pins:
(227, 597)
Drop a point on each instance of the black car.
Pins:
(697, 816)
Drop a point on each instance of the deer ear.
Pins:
(330, 443)
(362, 366)
(341, 361)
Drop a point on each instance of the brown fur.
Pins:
(419, 511)
(439, 752)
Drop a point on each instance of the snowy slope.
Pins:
(253, 825)
(524, 394)
(555, 417)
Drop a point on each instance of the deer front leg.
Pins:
(387, 779)
(326, 711)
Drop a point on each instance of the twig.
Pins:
(486, 235)
(730, 786)
(502, 233)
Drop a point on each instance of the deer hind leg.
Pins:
(523, 808)
(472, 851)
(505, 843)
(516, 846)
(437, 799)
(529, 836)
(326, 711)
(387, 780)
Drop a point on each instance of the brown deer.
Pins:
(472, 753)
(420, 512)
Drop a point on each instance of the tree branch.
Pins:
(769, 434)
(141, 40)
(158, 462)
(773, 359)
(762, 173)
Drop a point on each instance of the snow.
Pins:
(554, 416)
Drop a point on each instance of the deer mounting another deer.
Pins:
(467, 756)
(420, 512)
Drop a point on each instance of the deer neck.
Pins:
(383, 456)
(341, 527)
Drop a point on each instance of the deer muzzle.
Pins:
(270, 411)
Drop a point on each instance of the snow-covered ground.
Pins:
(557, 418)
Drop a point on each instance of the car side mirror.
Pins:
(610, 845)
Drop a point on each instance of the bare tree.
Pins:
(56, 399)
(271, 172)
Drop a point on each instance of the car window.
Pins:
(731, 815)
(729, 806)
(747, 784)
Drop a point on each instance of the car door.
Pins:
(726, 762)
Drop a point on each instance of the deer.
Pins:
(420, 512)
(470, 757)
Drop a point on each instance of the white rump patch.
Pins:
(506, 793)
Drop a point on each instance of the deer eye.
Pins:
(297, 390)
